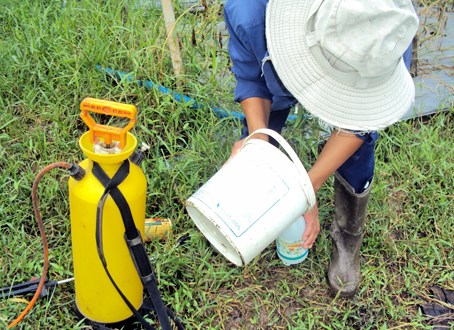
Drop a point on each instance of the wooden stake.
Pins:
(172, 38)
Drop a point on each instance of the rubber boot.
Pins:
(347, 235)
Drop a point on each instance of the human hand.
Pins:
(236, 147)
(239, 144)
(312, 227)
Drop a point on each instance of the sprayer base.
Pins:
(130, 323)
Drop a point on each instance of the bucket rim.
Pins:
(236, 252)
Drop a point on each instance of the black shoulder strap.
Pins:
(136, 247)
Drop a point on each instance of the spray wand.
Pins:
(30, 287)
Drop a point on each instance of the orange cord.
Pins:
(43, 238)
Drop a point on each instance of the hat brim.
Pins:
(343, 106)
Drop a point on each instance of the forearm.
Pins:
(257, 113)
(339, 147)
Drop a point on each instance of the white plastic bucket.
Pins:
(252, 199)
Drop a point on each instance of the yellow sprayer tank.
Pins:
(96, 297)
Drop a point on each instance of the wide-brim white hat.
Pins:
(342, 59)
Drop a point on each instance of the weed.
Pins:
(49, 51)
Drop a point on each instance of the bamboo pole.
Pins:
(172, 38)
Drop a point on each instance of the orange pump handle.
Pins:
(107, 133)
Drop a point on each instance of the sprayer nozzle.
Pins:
(76, 172)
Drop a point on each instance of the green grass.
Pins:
(48, 56)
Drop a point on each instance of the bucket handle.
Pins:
(307, 185)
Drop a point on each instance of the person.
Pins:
(342, 60)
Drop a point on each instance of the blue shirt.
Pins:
(255, 75)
